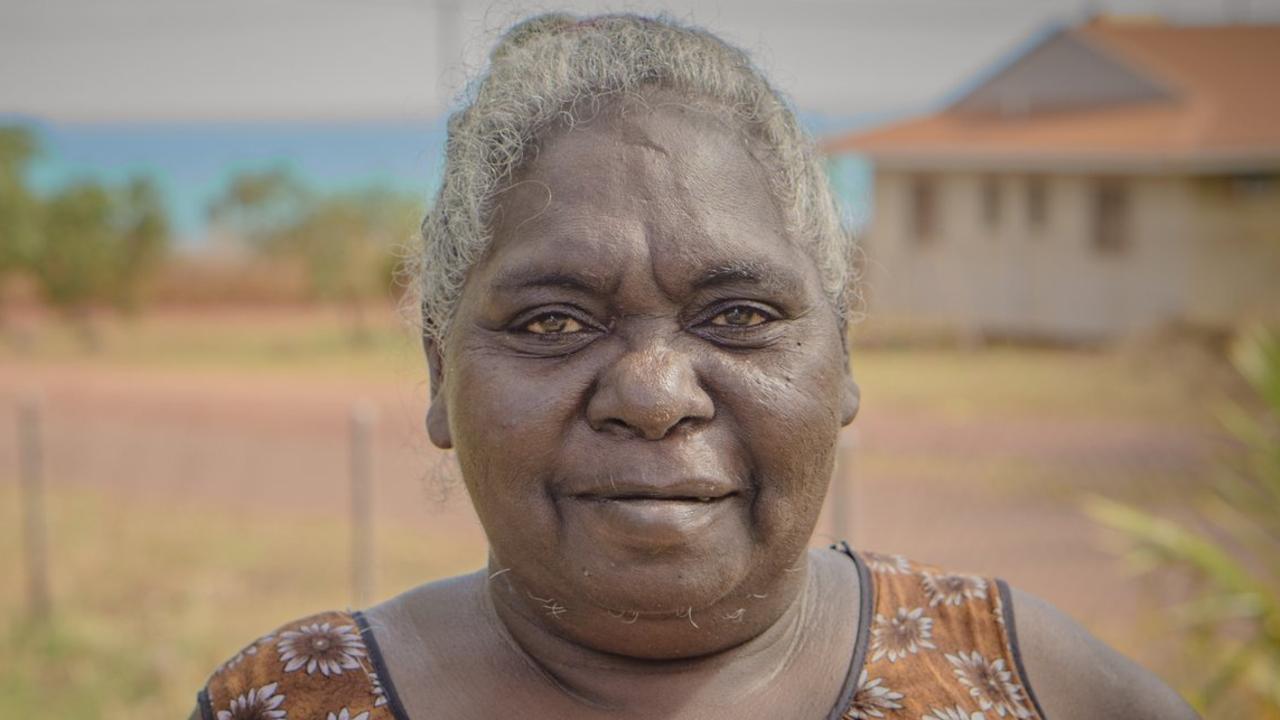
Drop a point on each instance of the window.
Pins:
(1252, 185)
(991, 202)
(924, 211)
(1110, 217)
(1037, 203)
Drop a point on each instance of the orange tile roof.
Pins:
(1226, 107)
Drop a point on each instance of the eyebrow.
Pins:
(748, 272)
(735, 272)
(525, 278)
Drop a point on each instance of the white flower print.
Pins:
(955, 713)
(379, 693)
(240, 656)
(320, 646)
(345, 714)
(247, 652)
(999, 609)
(257, 704)
(887, 564)
(989, 683)
(953, 589)
(871, 699)
(901, 635)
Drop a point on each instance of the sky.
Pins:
(87, 60)
(350, 93)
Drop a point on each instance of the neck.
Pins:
(735, 649)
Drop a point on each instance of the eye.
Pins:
(740, 316)
(553, 324)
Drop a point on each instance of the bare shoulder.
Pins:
(433, 615)
(440, 648)
(1075, 675)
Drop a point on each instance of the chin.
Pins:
(664, 584)
(655, 556)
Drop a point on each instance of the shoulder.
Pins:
(937, 645)
(440, 634)
(1077, 675)
(319, 666)
(1009, 650)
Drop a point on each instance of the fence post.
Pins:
(843, 504)
(34, 523)
(361, 448)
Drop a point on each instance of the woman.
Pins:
(634, 298)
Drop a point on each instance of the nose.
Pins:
(648, 393)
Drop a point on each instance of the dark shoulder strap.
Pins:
(317, 667)
(381, 676)
(1010, 627)
(866, 607)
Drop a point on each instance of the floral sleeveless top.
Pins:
(933, 645)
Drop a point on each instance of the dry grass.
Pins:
(153, 590)
(149, 597)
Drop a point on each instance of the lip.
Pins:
(642, 520)
(685, 490)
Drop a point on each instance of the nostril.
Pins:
(649, 394)
(686, 424)
(616, 425)
(648, 431)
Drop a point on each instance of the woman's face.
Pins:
(644, 380)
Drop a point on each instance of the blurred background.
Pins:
(211, 406)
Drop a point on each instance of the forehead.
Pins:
(671, 183)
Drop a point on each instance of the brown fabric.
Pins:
(939, 648)
(317, 668)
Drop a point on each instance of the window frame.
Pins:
(1111, 216)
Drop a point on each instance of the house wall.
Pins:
(1236, 254)
(1012, 278)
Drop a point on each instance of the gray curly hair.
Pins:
(545, 68)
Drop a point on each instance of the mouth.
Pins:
(694, 490)
(652, 497)
(652, 518)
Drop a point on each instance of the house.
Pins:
(1113, 178)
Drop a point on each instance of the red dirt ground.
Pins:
(921, 484)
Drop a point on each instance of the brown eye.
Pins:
(553, 324)
(740, 316)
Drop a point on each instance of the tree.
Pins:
(350, 245)
(347, 243)
(74, 260)
(262, 207)
(19, 207)
(99, 245)
(141, 241)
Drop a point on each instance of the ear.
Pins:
(850, 398)
(438, 411)
(850, 393)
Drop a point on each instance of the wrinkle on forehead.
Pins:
(650, 195)
(636, 136)
(628, 117)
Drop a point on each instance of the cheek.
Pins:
(509, 420)
(788, 412)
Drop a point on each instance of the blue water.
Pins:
(192, 162)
